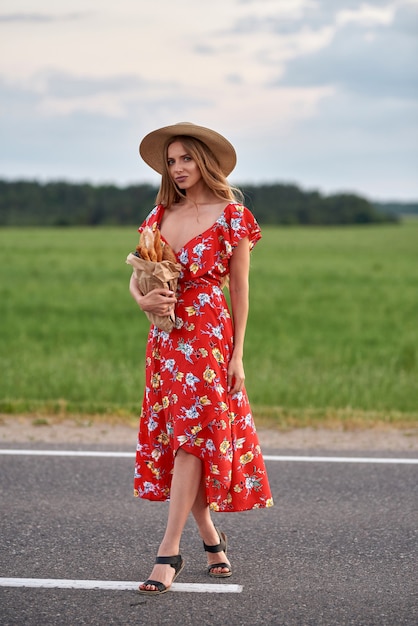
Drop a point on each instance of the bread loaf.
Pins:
(152, 248)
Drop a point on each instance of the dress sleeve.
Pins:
(242, 223)
(151, 219)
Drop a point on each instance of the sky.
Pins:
(319, 93)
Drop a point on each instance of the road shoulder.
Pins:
(26, 430)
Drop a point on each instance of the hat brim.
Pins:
(151, 147)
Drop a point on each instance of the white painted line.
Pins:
(339, 459)
(88, 453)
(114, 585)
(267, 457)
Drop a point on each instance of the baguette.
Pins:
(148, 237)
(168, 253)
(158, 245)
(142, 248)
(152, 248)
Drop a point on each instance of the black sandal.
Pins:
(176, 562)
(221, 547)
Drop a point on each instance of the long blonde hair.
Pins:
(209, 168)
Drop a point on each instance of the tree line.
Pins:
(398, 208)
(32, 203)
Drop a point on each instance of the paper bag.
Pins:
(152, 275)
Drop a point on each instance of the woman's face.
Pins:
(182, 168)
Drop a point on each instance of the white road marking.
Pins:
(114, 455)
(339, 459)
(267, 457)
(114, 585)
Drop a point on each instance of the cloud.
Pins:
(366, 15)
(62, 85)
(234, 79)
(58, 127)
(363, 59)
(290, 17)
(40, 18)
(204, 49)
(380, 62)
(371, 146)
(82, 146)
(320, 92)
(290, 9)
(60, 94)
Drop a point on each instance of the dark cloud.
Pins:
(365, 56)
(379, 61)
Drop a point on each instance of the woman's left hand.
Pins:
(236, 375)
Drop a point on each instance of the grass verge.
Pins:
(276, 418)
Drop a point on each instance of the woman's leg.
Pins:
(185, 483)
(207, 530)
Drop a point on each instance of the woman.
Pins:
(197, 445)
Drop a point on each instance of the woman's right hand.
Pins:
(158, 301)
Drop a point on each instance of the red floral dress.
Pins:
(186, 401)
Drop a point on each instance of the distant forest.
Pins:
(31, 203)
(397, 208)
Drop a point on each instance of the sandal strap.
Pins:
(216, 565)
(169, 560)
(175, 561)
(155, 583)
(220, 547)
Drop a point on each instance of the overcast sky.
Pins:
(322, 93)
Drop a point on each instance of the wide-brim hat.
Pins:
(151, 147)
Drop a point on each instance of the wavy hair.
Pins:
(169, 193)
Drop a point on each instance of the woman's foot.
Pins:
(218, 564)
(162, 576)
(219, 569)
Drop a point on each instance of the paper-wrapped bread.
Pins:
(155, 267)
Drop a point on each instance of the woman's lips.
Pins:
(180, 179)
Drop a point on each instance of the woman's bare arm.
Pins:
(239, 268)
(158, 301)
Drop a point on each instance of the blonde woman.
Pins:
(197, 443)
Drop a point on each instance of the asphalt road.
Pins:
(339, 547)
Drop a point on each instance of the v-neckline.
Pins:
(160, 217)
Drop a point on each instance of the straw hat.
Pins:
(151, 147)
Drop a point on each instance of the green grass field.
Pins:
(332, 335)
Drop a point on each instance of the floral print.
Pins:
(186, 403)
